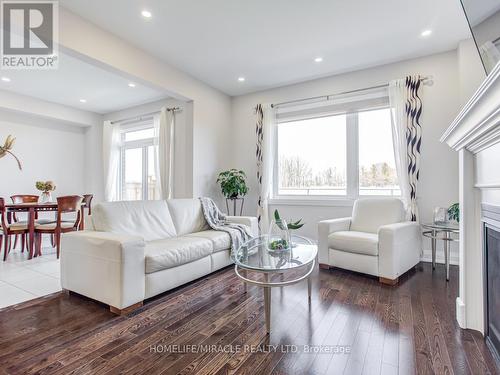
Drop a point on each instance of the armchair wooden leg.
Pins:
(6, 247)
(58, 243)
(23, 242)
(324, 266)
(126, 310)
(38, 243)
(385, 281)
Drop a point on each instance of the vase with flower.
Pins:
(46, 187)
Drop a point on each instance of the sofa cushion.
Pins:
(187, 215)
(173, 252)
(148, 219)
(220, 240)
(369, 214)
(354, 242)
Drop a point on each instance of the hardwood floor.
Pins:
(410, 328)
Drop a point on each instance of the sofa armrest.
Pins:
(400, 247)
(104, 266)
(325, 228)
(249, 221)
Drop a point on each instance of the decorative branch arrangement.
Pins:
(291, 225)
(6, 149)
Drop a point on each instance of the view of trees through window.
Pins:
(312, 155)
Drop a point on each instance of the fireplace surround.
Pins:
(475, 135)
(491, 248)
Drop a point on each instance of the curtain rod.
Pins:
(146, 115)
(327, 97)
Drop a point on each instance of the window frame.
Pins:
(142, 144)
(352, 163)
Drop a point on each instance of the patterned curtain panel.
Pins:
(259, 130)
(413, 110)
(265, 128)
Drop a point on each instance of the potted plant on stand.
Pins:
(234, 187)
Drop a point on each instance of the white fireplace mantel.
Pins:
(476, 126)
(476, 129)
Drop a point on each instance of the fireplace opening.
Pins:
(492, 290)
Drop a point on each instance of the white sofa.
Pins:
(138, 249)
(375, 240)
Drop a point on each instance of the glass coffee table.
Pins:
(293, 266)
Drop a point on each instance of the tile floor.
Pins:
(22, 279)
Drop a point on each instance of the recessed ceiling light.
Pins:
(83, 100)
(131, 84)
(146, 14)
(318, 59)
(241, 79)
(426, 33)
(6, 79)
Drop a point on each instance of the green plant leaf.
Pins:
(277, 215)
(295, 226)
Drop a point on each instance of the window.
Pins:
(312, 156)
(377, 169)
(335, 150)
(137, 163)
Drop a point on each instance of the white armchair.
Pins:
(375, 240)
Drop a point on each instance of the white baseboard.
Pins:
(427, 257)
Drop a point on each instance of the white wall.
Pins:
(470, 70)
(211, 109)
(48, 150)
(439, 164)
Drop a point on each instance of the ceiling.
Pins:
(274, 43)
(104, 91)
(478, 11)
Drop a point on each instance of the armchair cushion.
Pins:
(354, 242)
(369, 214)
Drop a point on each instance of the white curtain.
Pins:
(111, 157)
(397, 101)
(165, 128)
(266, 129)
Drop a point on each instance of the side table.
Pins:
(445, 231)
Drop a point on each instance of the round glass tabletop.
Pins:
(255, 254)
(446, 226)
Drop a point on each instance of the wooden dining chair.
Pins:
(65, 205)
(22, 198)
(10, 229)
(87, 199)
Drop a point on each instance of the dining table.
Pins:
(32, 209)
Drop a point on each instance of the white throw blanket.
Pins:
(216, 220)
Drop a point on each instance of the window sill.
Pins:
(333, 202)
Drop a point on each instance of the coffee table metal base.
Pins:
(267, 285)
